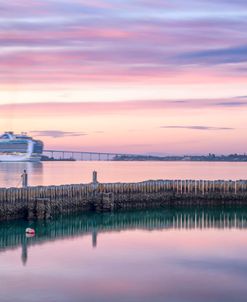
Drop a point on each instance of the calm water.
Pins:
(174, 255)
(167, 255)
(79, 172)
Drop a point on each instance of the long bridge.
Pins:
(85, 155)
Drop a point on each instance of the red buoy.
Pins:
(30, 231)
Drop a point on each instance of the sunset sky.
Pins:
(137, 76)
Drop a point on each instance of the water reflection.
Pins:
(59, 172)
(10, 173)
(12, 234)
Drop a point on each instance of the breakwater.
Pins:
(42, 202)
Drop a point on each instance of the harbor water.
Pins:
(189, 255)
(57, 173)
(172, 254)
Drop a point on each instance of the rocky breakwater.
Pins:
(43, 202)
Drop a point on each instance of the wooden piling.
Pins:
(37, 201)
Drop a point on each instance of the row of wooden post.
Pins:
(177, 186)
(181, 187)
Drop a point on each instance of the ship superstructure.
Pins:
(19, 147)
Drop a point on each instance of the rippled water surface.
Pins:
(163, 255)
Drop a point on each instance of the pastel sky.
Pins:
(138, 76)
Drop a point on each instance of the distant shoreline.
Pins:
(173, 160)
(207, 158)
(210, 158)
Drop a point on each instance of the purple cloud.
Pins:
(231, 104)
(57, 133)
(47, 41)
(217, 56)
(197, 128)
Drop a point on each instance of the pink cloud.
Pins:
(101, 41)
(106, 108)
(82, 66)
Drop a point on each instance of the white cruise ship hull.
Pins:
(19, 158)
(19, 148)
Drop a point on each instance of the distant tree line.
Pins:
(210, 157)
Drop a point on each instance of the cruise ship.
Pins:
(19, 148)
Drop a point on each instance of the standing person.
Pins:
(24, 178)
